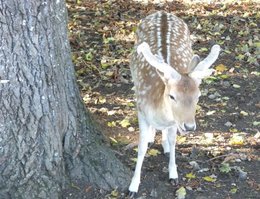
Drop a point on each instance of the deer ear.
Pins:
(202, 69)
(194, 62)
(201, 74)
(165, 71)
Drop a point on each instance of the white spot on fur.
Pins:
(157, 84)
(168, 39)
(159, 39)
(153, 74)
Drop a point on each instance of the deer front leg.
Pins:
(151, 134)
(142, 148)
(173, 175)
(165, 141)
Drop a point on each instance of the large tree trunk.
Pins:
(46, 136)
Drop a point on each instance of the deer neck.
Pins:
(161, 115)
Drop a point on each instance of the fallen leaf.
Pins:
(203, 170)
(113, 141)
(194, 165)
(221, 68)
(181, 139)
(218, 185)
(203, 49)
(245, 48)
(130, 104)
(210, 112)
(125, 123)
(227, 51)
(243, 113)
(225, 168)
(228, 38)
(224, 76)
(209, 179)
(114, 193)
(255, 73)
(240, 57)
(111, 124)
(257, 135)
(181, 193)
(89, 56)
(190, 175)
(110, 73)
(108, 40)
(209, 136)
(257, 44)
(252, 60)
(236, 139)
(236, 86)
(112, 112)
(233, 190)
(233, 130)
(131, 129)
(101, 100)
(153, 152)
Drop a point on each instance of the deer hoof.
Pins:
(150, 144)
(131, 194)
(174, 182)
(167, 154)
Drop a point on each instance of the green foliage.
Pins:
(225, 168)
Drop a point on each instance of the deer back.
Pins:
(169, 39)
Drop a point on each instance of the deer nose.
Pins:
(189, 126)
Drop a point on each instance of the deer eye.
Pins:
(172, 97)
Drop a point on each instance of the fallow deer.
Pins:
(166, 76)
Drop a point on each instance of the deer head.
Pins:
(181, 92)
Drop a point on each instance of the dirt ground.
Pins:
(221, 160)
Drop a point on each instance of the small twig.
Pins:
(220, 156)
(130, 146)
(217, 157)
(118, 153)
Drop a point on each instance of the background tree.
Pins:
(46, 135)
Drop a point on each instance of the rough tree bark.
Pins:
(46, 136)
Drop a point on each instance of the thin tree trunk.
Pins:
(46, 136)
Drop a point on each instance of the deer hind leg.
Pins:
(173, 175)
(142, 148)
